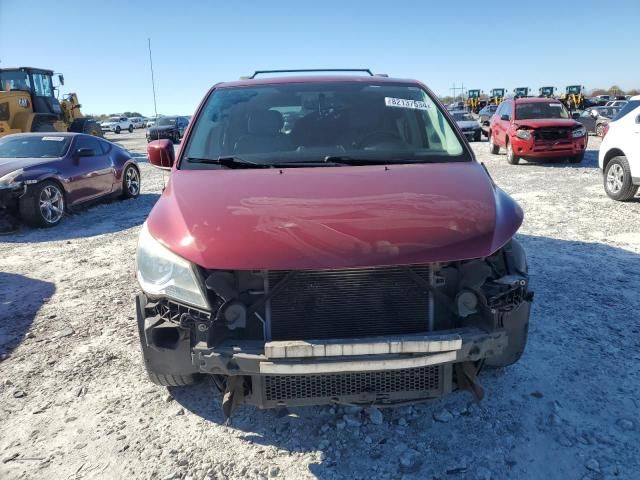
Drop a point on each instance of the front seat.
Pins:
(263, 134)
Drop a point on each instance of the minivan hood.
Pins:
(333, 217)
(547, 122)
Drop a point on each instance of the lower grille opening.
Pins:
(420, 382)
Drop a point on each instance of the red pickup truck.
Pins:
(536, 128)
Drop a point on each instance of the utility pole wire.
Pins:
(153, 82)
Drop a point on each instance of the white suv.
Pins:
(117, 124)
(619, 157)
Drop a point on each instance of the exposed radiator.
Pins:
(320, 304)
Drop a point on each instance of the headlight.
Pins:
(579, 132)
(8, 181)
(523, 134)
(162, 272)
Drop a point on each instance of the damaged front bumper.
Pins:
(9, 202)
(374, 370)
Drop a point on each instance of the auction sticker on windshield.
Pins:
(55, 139)
(403, 103)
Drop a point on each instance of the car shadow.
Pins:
(20, 299)
(582, 329)
(99, 218)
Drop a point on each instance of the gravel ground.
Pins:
(75, 402)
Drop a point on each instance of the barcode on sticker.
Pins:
(404, 103)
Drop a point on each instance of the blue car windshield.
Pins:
(46, 146)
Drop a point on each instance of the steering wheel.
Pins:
(379, 136)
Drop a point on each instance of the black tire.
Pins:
(478, 137)
(577, 158)
(516, 322)
(130, 129)
(173, 380)
(30, 209)
(516, 325)
(600, 130)
(85, 125)
(493, 148)
(118, 129)
(617, 180)
(129, 175)
(512, 158)
(42, 125)
(176, 138)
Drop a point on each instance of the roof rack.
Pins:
(307, 70)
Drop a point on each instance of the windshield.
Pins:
(114, 119)
(166, 121)
(462, 117)
(14, 80)
(34, 147)
(629, 107)
(307, 122)
(529, 111)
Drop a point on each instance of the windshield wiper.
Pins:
(229, 162)
(344, 160)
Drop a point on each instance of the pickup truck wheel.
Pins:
(577, 158)
(173, 380)
(493, 148)
(512, 158)
(130, 128)
(118, 129)
(617, 180)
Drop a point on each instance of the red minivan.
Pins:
(536, 128)
(328, 239)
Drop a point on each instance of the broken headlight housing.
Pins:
(523, 134)
(579, 132)
(161, 272)
(9, 180)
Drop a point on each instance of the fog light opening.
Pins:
(165, 337)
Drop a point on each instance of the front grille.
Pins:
(551, 133)
(320, 304)
(425, 381)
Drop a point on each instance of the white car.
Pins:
(619, 157)
(117, 124)
(138, 122)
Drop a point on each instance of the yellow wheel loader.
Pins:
(473, 100)
(496, 96)
(28, 104)
(573, 98)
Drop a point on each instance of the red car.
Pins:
(536, 128)
(328, 239)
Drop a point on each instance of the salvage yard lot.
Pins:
(75, 402)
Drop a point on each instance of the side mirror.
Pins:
(575, 115)
(85, 152)
(161, 154)
(61, 79)
(505, 118)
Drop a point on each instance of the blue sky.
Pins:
(101, 46)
